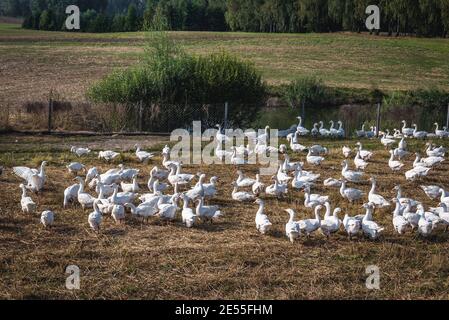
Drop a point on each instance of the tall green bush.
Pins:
(169, 76)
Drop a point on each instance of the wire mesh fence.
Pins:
(164, 118)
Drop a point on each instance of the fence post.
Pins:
(378, 119)
(141, 116)
(226, 115)
(447, 118)
(303, 112)
(50, 113)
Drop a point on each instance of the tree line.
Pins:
(398, 17)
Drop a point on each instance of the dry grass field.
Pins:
(34, 62)
(226, 260)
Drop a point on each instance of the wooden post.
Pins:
(226, 115)
(378, 119)
(50, 114)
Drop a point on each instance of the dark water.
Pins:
(353, 116)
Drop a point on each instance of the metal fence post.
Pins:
(50, 114)
(378, 119)
(447, 117)
(226, 115)
(141, 116)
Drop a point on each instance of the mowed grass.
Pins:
(226, 260)
(34, 62)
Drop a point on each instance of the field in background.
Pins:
(34, 62)
(226, 260)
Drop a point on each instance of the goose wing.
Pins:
(24, 173)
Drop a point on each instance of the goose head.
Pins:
(258, 201)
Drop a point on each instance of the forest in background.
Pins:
(398, 17)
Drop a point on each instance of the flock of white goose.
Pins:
(118, 189)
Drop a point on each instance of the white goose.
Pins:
(176, 177)
(188, 216)
(315, 197)
(360, 164)
(400, 223)
(121, 198)
(95, 218)
(340, 131)
(351, 176)
(323, 132)
(153, 178)
(425, 227)
(35, 179)
(91, 174)
(142, 155)
(418, 134)
(402, 144)
(387, 142)
(47, 218)
(439, 133)
(292, 230)
(408, 132)
(346, 151)
(84, 199)
(70, 194)
(210, 189)
(118, 213)
(167, 211)
(244, 182)
(350, 194)
(417, 173)
(427, 162)
(167, 163)
(314, 160)
(300, 129)
(365, 154)
(235, 159)
(75, 167)
(332, 131)
(432, 151)
(241, 196)
(127, 174)
(318, 150)
(402, 200)
(361, 133)
(400, 153)
(296, 147)
(433, 192)
(315, 131)
(131, 187)
(207, 213)
(375, 198)
(282, 176)
(197, 191)
(331, 223)
(80, 151)
(258, 187)
(288, 166)
(222, 154)
(108, 155)
(277, 189)
(263, 223)
(27, 204)
(411, 217)
(221, 137)
(309, 226)
(144, 211)
(370, 228)
(352, 226)
(332, 183)
(394, 164)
